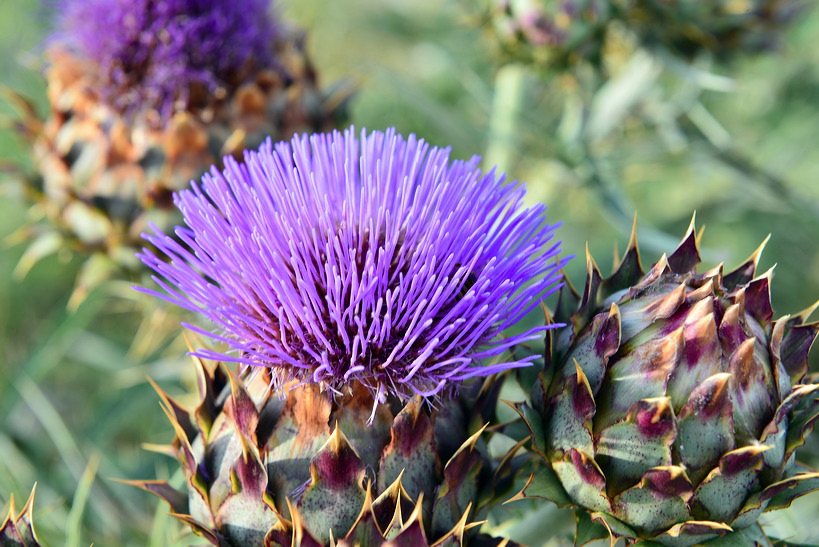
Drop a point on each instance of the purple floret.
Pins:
(333, 259)
(153, 54)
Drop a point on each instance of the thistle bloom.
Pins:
(159, 53)
(336, 260)
(145, 95)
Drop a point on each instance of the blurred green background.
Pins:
(736, 143)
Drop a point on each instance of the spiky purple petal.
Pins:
(333, 259)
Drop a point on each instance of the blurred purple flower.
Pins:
(156, 54)
(331, 259)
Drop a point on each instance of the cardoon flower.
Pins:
(336, 260)
(145, 95)
(360, 277)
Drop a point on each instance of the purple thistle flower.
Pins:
(331, 259)
(157, 54)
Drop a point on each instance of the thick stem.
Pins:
(503, 121)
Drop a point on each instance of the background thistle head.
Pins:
(563, 34)
(170, 54)
(333, 259)
(145, 96)
(723, 29)
(557, 34)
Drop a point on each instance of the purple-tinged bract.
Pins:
(336, 260)
(159, 53)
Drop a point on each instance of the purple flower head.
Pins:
(156, 54)
(334, 260)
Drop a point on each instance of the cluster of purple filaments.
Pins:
(150, 53)
(333, 259)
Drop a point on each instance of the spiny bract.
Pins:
(671, 408)
(307, 470)
(17, 530)
(145, 96)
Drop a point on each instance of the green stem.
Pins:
(73, 526)
(503, 121)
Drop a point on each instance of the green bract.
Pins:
(309, 470)
(671, 406)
